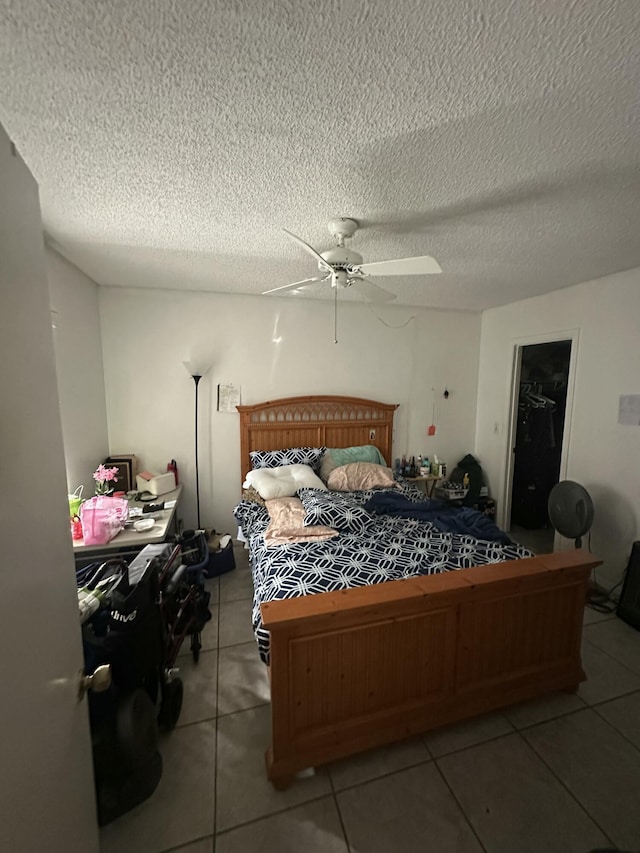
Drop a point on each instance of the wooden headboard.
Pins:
(315, 422)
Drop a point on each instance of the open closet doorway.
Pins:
(538, 432)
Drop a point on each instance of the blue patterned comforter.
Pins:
(385, 548)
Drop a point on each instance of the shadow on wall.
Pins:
(615, 528)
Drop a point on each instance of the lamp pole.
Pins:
(196, 370)
(196, 378)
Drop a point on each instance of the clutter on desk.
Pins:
(76, 528)
(419, 466)
(75, 499)
(466, 483)
(102, 518)
(128, 467)
(106, 479)
(143, 524)
(156, 484)
(147, 508)
(172, 467)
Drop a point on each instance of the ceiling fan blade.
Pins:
(310, 249)
(424, 265)
(294, 286)
(372, 292)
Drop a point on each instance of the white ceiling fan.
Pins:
(343, 267)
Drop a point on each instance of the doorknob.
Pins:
(99, 681)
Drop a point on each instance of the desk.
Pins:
(429, 481)
(129, 539)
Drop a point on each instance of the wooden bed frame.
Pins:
(358, 668)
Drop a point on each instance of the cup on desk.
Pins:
(425, 470)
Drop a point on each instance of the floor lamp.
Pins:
(196, 372)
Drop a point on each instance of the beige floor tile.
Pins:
(411, 811)
(200, 688)
(606, 678)
(244, 792)
(624, 715)
(377, 762)
(515, 803)
(592, 616)
(544, 708)
(213, 585)
(181, 808)
(469, 733)
(237, 584)
(539, 540)
(204, 845)
(599, 767)
(243, 680)
(235, 623)
(311, 828)
(617, 639)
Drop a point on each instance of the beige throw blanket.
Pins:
(287, 524)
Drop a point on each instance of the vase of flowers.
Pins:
(105, 478)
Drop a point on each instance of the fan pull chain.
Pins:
(335, 315)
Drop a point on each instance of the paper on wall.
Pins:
(228, 397)
(629, 409)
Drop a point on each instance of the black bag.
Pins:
(221, 560)
(629, 604)
(470, 466)
(134, 642)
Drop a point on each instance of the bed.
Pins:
(363, 665)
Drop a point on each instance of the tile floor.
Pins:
(557, 774)
(540, 540)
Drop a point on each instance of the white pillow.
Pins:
(282, 482)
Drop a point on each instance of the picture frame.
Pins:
(127, 465)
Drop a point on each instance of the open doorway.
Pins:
(543, 379)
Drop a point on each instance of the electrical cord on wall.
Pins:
(598, 597)
(390, 325)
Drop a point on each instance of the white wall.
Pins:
(274, 347)
(78, 350)
(603, 455)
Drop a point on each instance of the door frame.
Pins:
(518, 344)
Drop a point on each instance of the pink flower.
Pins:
(102, 474)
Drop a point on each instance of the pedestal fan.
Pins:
(570, 510)
(571, 513)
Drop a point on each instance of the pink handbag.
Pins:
(103, 517)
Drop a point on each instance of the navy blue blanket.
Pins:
(444, 516)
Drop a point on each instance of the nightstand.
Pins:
(429, 481)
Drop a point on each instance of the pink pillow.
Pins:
(360, 476)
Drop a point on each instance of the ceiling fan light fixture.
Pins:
(340, 279)
(342, 257)
(343, 267)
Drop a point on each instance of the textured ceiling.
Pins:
(173, 140)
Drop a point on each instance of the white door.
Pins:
(46, 779)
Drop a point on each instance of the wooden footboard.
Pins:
(356, 669)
